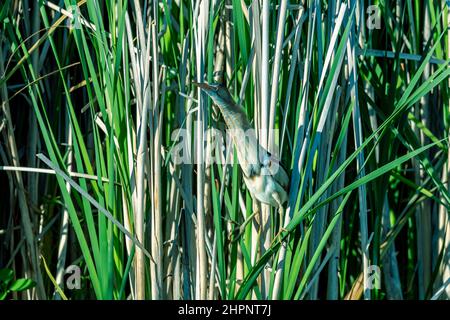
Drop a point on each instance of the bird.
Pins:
(263, 174)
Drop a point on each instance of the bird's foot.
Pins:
(279, 236)
(238, 232)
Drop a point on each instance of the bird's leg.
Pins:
(281, 214)
(278, 236)
(238, 232)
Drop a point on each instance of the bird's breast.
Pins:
(261, 187)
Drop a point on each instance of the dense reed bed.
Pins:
(117, 181)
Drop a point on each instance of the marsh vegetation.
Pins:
(352, 96)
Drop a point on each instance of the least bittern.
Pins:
(264, 177)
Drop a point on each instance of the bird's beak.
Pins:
(204, 86)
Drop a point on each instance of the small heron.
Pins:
(264, 177)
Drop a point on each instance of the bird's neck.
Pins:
(234, 116)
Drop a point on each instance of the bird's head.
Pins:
(218, 93)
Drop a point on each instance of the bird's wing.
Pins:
(247, 151)
(281, 176)
(276, 170)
